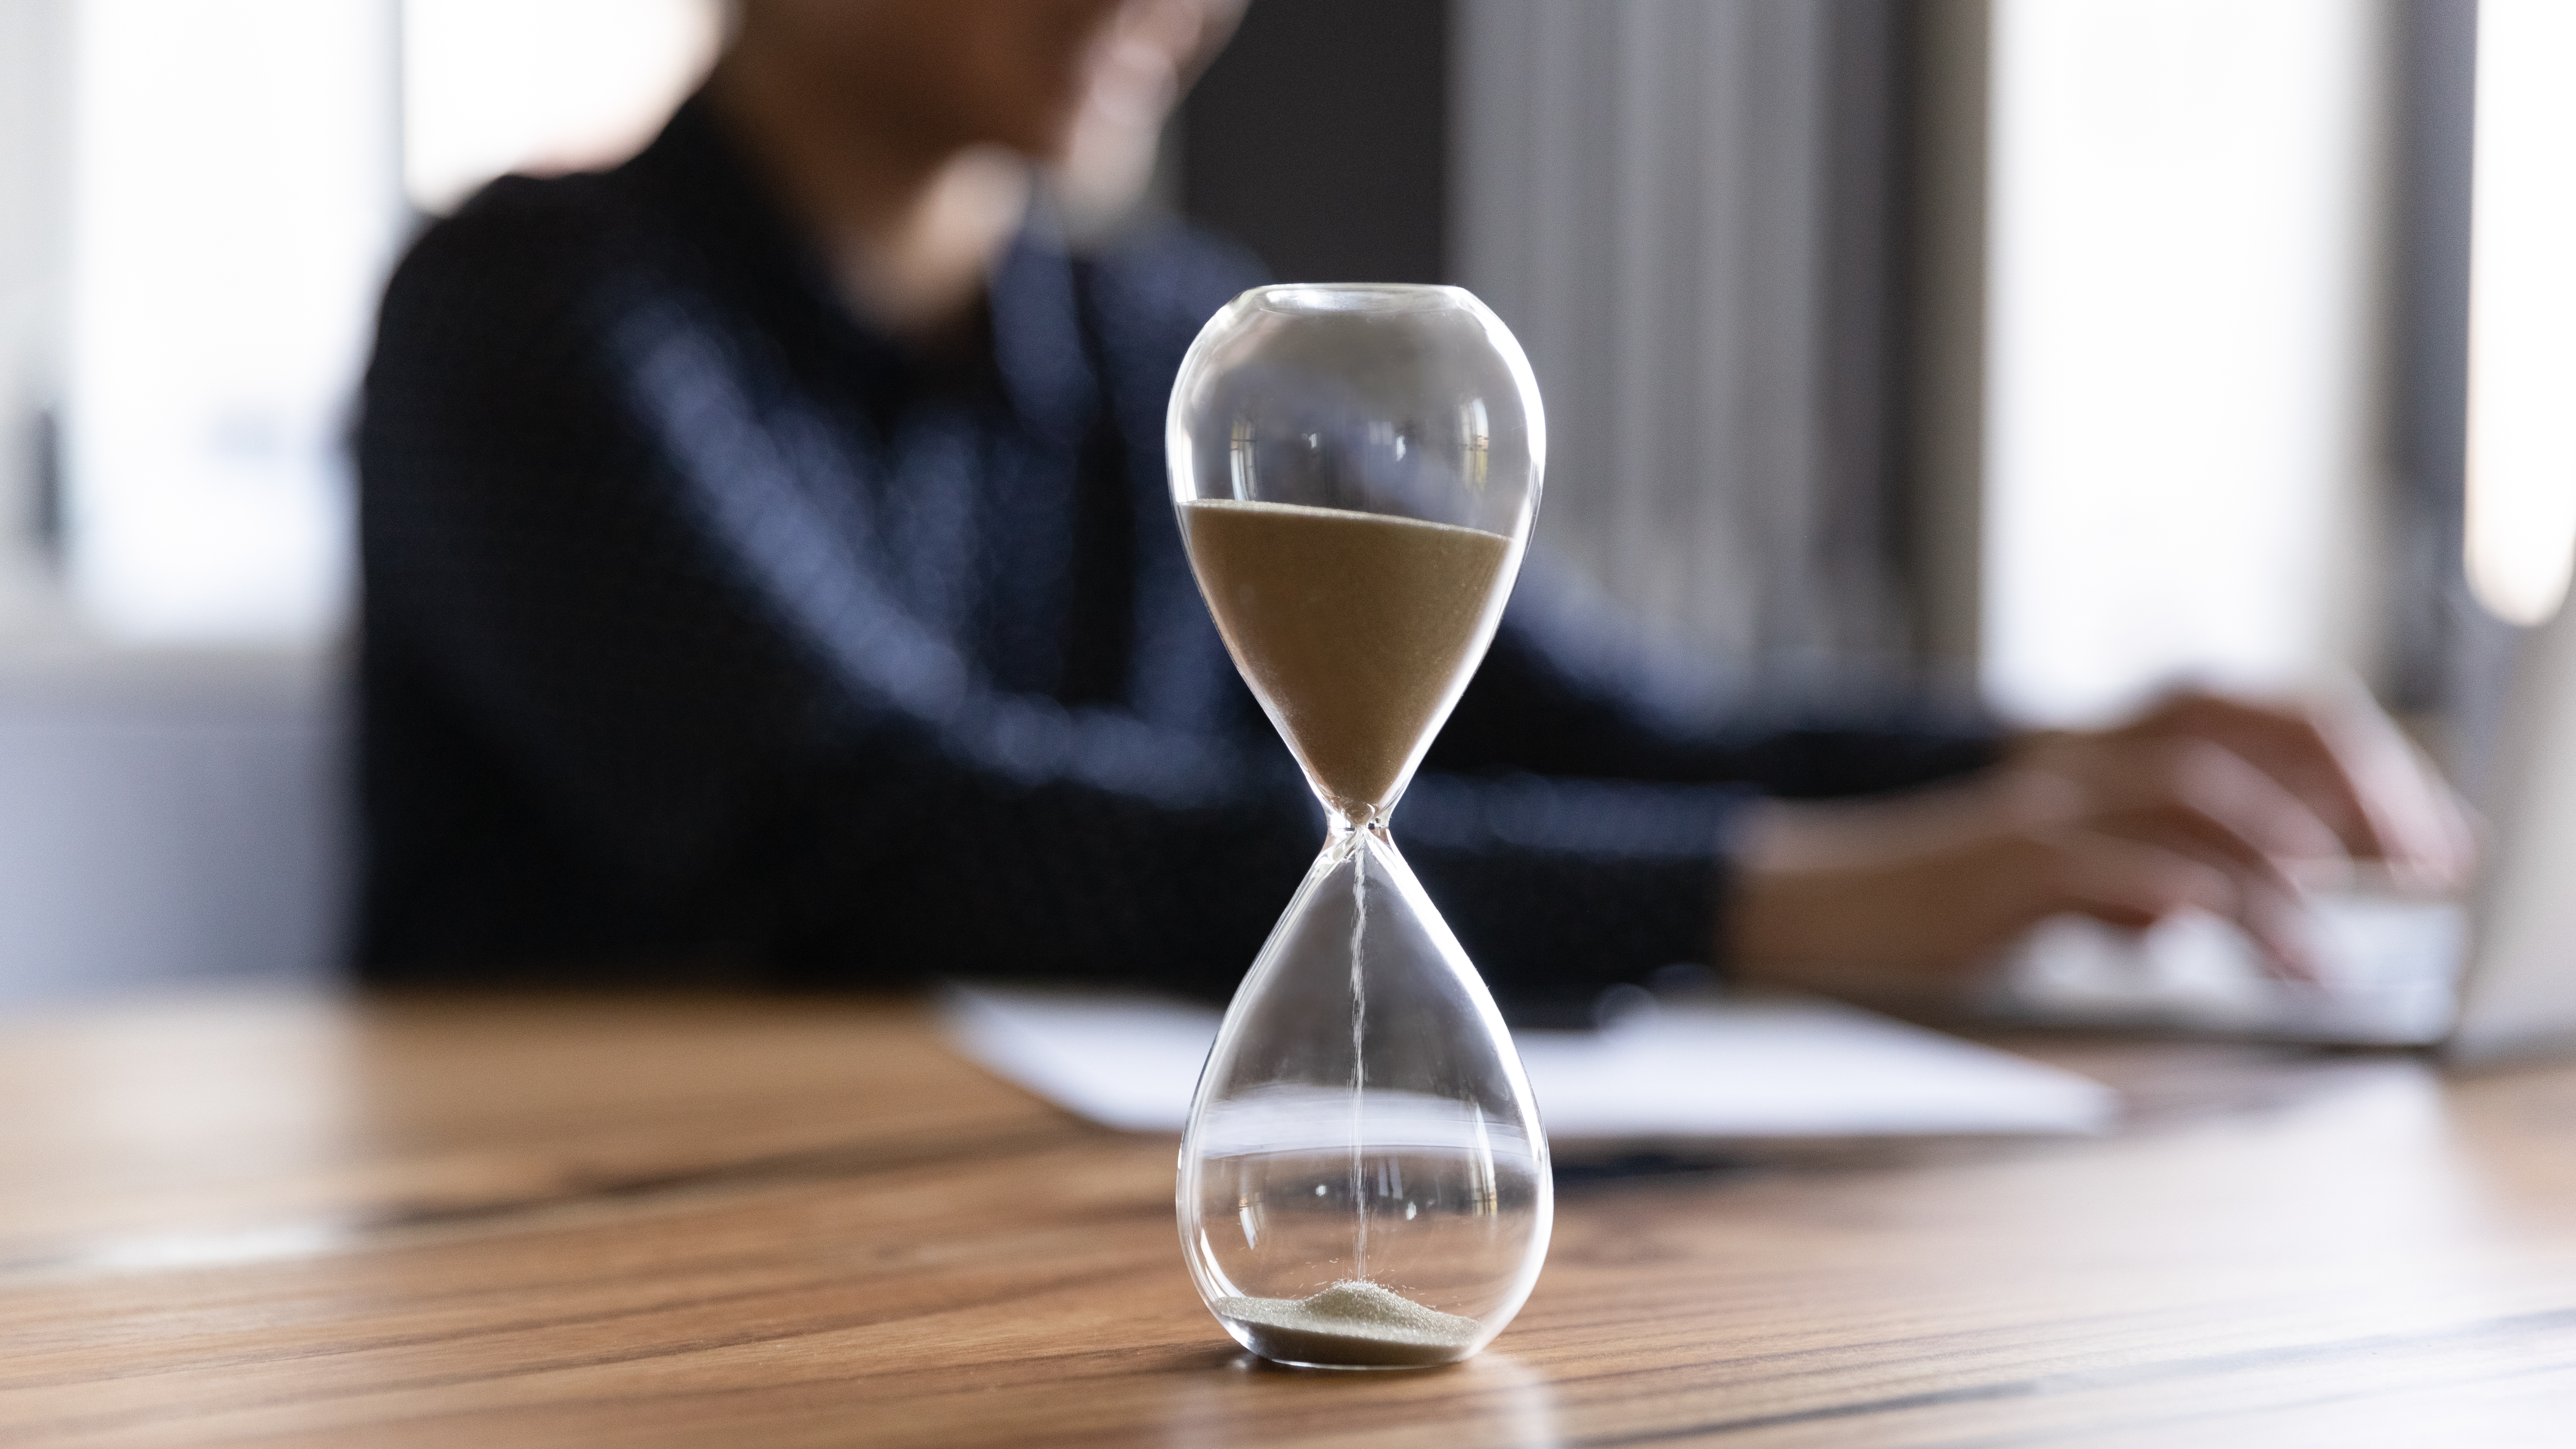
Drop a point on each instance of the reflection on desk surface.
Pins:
(790, 1222)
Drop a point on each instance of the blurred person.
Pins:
(770, 577)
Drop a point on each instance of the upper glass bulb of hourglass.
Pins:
(1356, 469)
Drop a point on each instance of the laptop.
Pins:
(2486, 979)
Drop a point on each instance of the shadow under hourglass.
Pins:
(1240, 1397)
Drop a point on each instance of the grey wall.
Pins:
(34, 57)
(169, 819)
(1320, 136)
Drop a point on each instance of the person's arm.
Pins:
(623, 564)
(2202, 802)
(1964, 836)
(1574, 688)
(1641, 778)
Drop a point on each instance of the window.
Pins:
(240, 177)
(2522, 311)
(2181, 399)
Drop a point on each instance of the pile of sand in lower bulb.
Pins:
(1353, 1322)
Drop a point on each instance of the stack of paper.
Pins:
(1769, 1068)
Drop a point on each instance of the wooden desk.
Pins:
(781, 1224)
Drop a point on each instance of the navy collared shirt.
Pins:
(709, 631)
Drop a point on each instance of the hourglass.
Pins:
(1363, 1183)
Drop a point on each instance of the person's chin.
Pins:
(1038, 121)
(1044, 140)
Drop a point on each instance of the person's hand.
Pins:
(2208, 802)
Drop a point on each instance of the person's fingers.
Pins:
(2289, 744)
(2132, 883)
(2418, 819)
(2226, 801)
(2285, 931)
(2195, 799)
(2132, 830)
(2127, 831)
(2348, 763)
(2201, 798)
(2136, 883)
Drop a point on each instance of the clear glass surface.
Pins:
(1364, 1182)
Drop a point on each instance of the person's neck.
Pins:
(910, 228)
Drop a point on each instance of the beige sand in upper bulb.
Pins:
(1356, 630)
(1353, 1323)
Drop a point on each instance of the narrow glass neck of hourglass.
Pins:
(1348, 827)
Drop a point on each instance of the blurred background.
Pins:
(2056, 351)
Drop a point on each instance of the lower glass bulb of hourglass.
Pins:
(1364, 1182)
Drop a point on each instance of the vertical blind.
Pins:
(1676, 205)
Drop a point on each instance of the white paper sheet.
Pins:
(1767, 1068)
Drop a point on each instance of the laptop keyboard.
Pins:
(2388, 968)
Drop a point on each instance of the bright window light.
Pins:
(2522, 310)
(238, 177)
(2179, 291)
(540, 86)
(233, 205)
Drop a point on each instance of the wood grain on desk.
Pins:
(806, 1223)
